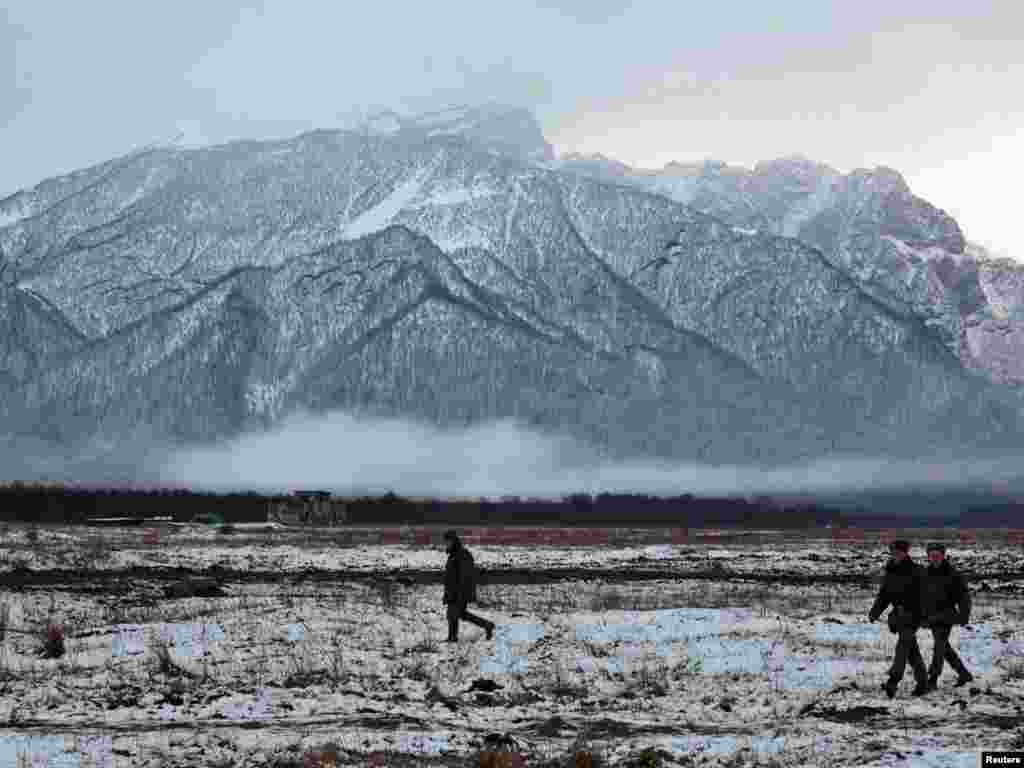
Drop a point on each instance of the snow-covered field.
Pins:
(711, 649)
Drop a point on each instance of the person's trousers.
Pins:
(907, 649)
(457, 611)
(942, 652)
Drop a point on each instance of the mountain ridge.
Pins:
(202, 293)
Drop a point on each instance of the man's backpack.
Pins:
(469, 576)
(900, 618)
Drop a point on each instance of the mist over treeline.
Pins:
(56, 504)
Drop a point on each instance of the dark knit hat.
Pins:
(936, 547)
(899, 545)
(451, 535)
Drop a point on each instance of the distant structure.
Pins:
(308, 508)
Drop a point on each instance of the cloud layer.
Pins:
(345, 454)
(355, 455)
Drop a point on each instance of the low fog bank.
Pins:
(348, 454)
(362, 456)
(134, 461)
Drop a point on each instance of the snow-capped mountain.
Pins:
(449, 272)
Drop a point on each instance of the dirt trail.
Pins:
(105, 580)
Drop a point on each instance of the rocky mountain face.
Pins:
(903, 251)
(995, 331)
(445, 269)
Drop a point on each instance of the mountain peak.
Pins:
(508, 128)
(796, 165)
(596, 163)
(881, 174)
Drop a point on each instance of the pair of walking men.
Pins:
(935, 597)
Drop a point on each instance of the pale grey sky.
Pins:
(933, 89)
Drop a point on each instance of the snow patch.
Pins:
(384, 125)
(929, 254)
(654, 367)
(423, 743)
(381, 215)
(443, 116)
(191, 639)
(143, 188)
(455, 195)
(265, 398)
(129, 640)
(56, 751)
(823, 197)
(452, 130)
(12, 215)
(466, 238)
(682, 189)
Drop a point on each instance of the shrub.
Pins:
(649, 758)
(320, 758)
(491, 758)
(53, 643)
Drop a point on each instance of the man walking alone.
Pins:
(460, 588)
(901, 588)
(945, 601)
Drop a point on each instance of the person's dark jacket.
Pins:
(459, 576)
(901, 588)
(945, 599)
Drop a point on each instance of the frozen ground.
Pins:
(712, 649)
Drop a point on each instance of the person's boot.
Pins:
(963, 679)
(890, 688)
(920, 689)
(489, 629)
(933, 683)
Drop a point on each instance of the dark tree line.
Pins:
(48, 504)
(55, 504)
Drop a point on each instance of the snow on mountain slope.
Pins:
(470, 284)
(510, 130)
(12, 211)
(682, 187)
(804, 210)
(378, 217)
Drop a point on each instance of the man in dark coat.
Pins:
(945, 601)
(460, 588)
(901, 588)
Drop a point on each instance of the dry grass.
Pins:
(258, 652)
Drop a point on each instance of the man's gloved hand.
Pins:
(872, 617)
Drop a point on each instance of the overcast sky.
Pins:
(932, 88)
